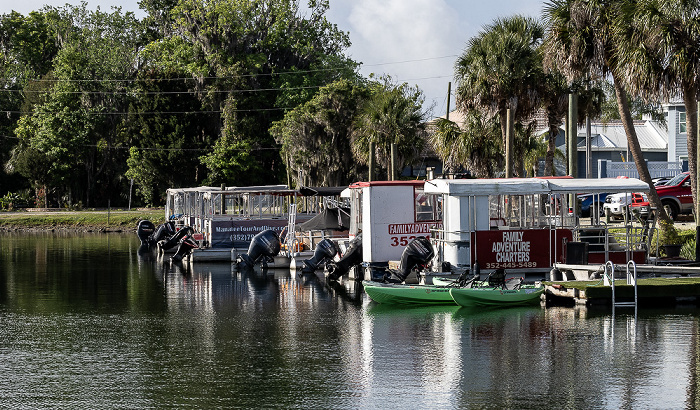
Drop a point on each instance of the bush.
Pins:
(16, 200)
(688, 249)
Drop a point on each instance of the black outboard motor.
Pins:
(164, 231)
(264, 244)
(145, 231)
(418, 252)
(164, 245)
(325, 251)
(186, 245)
(352, 257)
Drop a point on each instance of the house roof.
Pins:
(612, 135)
(609, 136)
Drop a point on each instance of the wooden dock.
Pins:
(653, 291)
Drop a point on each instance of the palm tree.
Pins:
(583, 42)
(393, 114)
(501, 69)
(555, 102)
(476, 147)
(661, 55)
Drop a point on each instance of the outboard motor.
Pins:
(352, 257)
(164, 231)
(186, 245)
(325, 251)
(264, 244)
(418, 252)
(164, 245)
(145, 231)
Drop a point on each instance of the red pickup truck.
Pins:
(676, 195)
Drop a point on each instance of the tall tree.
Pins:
(249, 58)
(76, 126)
(501, 69)
(661, 56)
(315, 136)
(27, 49)
(583, 42)
(392, 114)
(476, 146)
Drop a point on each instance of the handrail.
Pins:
(609, 280)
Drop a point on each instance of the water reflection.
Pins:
(90, 319)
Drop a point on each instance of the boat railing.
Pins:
(605, 237)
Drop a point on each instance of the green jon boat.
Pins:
(394, 293)
(488, 296)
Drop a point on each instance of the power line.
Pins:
(134, 92)
(236, 76)
(9, 112)
(163, 149)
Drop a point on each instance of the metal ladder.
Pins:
(291, 225)
(609, 280)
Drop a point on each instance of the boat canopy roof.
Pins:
(362, 184)
(280, 190)
(526, 186)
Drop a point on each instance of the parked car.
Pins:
(617, 204)
(640, 207)
(658, 181)
(676, 195)
(592, 202)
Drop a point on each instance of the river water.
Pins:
(88, 322)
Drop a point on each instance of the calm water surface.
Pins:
(88, 322)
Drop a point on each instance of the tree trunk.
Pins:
(551, 147)
(636, 151)
(691, 123)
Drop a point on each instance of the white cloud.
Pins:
(396, 31)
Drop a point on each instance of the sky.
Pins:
(413, 41)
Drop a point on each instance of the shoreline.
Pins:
(95, 220)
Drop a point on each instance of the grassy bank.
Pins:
(90, 220)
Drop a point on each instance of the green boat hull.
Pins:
(526, 295)
(398, 294)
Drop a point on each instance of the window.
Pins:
(428, 206)
(681, 122)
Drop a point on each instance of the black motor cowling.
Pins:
(264, 244)
(352, 257)
(325, 251)
(418, 252)
(164, 232)
(187, 243)
(145, 230)
(164, 244)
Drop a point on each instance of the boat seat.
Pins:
(497, 279)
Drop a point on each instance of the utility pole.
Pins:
(509, 143)
(371, 162)
(392, 171)
(572, 139)
(589, 153)
(449, 92)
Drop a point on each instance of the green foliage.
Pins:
(476, 146)
(16, 200)
(316, 136)
(688, 249)
(392, 114)
(501, 69)
(184, 97)
(638, 107)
